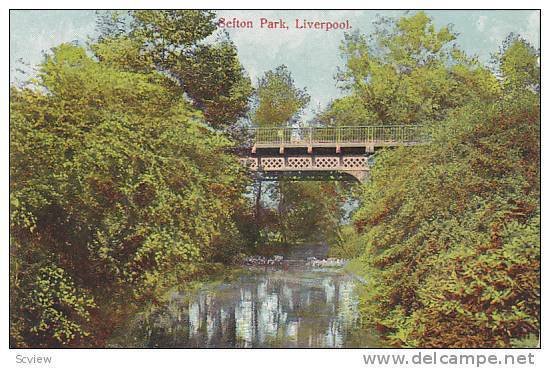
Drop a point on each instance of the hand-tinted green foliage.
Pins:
(173, 42)
(278, 100)
(307, 211)
(117, 186)
(518, 66)
(406, 72)
(451, 230)
(346, 243)
(57, 308)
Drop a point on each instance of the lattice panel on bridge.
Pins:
(357, 163)
(250, 162)
(273, 163)
(299, 163)
(327, 162)
(253, 163)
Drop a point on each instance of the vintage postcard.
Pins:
(191, 178)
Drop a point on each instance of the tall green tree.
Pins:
(278, 100)
(518, 64)
(406, 72)
(174, 42)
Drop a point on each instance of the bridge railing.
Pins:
(338, 135)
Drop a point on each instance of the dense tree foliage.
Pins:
(308, 211)
(181, 44)
(406, 72)
(450, 231)
(117, 187)
(278, 101)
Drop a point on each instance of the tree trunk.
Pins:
(258, 206)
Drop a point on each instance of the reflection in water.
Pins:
(274, 308)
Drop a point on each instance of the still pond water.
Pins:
(269, 306)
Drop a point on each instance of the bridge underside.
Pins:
(312, 176)
(349, 166)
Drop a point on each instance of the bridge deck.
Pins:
(343, 136)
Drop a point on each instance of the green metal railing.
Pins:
(339, 135)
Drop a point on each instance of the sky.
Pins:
(312, 55)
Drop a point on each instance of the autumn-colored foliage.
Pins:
(118, 186)
(450, 230)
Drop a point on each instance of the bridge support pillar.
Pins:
(361, 176)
